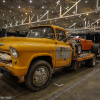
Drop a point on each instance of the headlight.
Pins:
(14, 52)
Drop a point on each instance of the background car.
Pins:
(83, 45)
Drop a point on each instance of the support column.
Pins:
(76, 8)
(60, 10)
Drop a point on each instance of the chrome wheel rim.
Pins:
(40, 76)
(79, 49)
(94, 60)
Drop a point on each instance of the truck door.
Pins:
(63, 50)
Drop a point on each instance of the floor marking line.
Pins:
(73, 85)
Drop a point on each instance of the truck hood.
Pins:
(5, 42)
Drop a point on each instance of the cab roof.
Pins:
(53, 26)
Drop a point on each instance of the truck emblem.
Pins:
(1, 44)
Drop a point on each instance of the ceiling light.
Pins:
(67, 7)
(30, 1)
(66, 18)
(55, 20)
(26, 13)
(84, 19)
(79, 15)
(58, 2)
(3, 14)
(86, 1)
(3, 0)
(31, 10)
(87, 14)
(73, 12)
(52, 11)
(10, 10)
(42, 7)
(18, 6)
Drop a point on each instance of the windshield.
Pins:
(42, 32)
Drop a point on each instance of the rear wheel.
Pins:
(91, 62)
(38, 76)
(95, 49)
(75, 65)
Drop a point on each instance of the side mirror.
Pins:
(65, 40)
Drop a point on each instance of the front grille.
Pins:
(5, 58)
(5, 52)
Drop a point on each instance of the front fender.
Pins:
(38, 55)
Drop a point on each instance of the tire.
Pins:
(74, 65)
(78, 49)
(38, 76)
(90, 62)
(95, 49)
(87, 62)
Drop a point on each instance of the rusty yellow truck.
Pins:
(35, 57)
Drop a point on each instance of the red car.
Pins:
(86, 45)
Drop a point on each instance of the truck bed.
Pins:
(83, 57)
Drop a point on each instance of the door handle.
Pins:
(56, 42)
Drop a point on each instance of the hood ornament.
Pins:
(1, 44)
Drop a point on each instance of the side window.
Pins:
(50, 34)
(60, 35)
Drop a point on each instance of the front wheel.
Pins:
(38, 76)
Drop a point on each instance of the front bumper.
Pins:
(5, 71)
(13, 70)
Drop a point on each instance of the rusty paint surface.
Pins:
(63, 53)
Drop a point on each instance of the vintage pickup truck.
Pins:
(36, 56)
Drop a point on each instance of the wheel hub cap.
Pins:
(40, 76)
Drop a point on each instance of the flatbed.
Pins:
(83, 57)
(77, 60)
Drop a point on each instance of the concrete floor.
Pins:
(83, 84)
